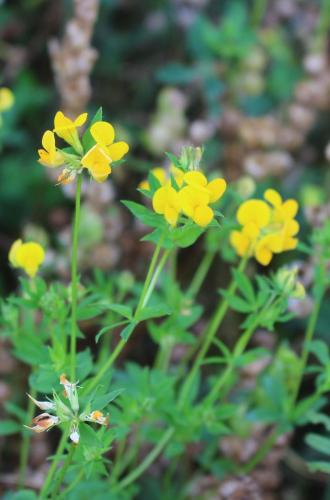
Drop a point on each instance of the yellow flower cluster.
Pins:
(97, 159)
(268, 227)
(28, 256)
(190, 194)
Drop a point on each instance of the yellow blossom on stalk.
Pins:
(166, 202)
(6, 99)
(268, 227)
(28, 256)
(104, 135)
(98, 163)
(66, 129)
(49, 156)
(198, 193)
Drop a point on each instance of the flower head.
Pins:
(97, 162)
(6, 99)
(66, 129)
(49, 156)
(28, 256)
(104, 135)
(268, 227)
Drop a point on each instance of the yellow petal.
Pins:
(240, 242)
(160, 175)
(263, 254)
(203, 215)
(273, 197)
(144, 185)
(251, 230)
(171, 215)
(48, 141)
(100, 172)
(256, 211)
(195, 178)
(159, 200)
(97, 162)
(290, 208)
(6, 99)
(13, 252)
(117, 150)
(80, 120)
(62, 121)
(216, 189)
(103, 133)
(186, 201)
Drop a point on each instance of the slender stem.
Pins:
(61, 475)
(148, 288)
(311, 325)
(201, 273)
(262, 452)
(74, 281)
(26, 438)
(52, 468)
(324, 22)
(258, 12)
(209, 335)
(72, 485)
(154, 453)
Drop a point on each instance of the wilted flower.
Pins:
(61, 412)
(28, 256)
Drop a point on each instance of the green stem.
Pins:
(262, 452)
(209, 335)
(24, 452)
(52, 468)
(147, 290)
(154, 453)
(74, 281)
(201, 274)
(258, 12)
(61, 475)
(72, 485)
(324, 23)
(311, 325)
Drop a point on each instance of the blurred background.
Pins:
(247, 79)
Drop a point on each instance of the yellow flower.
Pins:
(49, 156)
(66, 129)
(267, 228)
(29, 256)
(196, 196)
(166, 202)
(104, 135)
(98, 163)
(6, 99)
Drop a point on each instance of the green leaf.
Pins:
(145, 215)
(20, 495)
(125, 311)
(319, 443)
(153, 312)
(187, 235)
(9, 427)
(108, 328)
(244, 285)
(87, 139)
(101, 402)
(320, 350)
(319, 466)
(84, 364)
(237, 303)
(125, 334)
